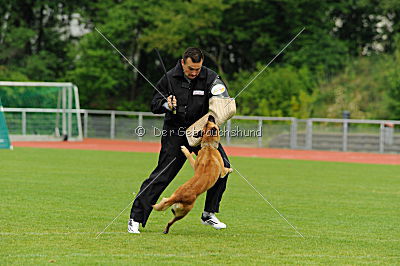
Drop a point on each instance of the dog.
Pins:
(208, 167)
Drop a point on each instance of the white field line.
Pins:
(5, 234)
(52, 233)
(205, 254)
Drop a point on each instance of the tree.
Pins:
(393, 92)
(106, 79)
(34, 36)
(180, 24)
(279, 91)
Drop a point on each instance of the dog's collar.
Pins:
(213, 144)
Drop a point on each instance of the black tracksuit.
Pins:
(192, 100)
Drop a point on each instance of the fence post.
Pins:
(64, 112)
(345, 135)
(78, 112)
(381, 138)
(293, 134)
(24, 123)
(69, 112)
(85, 123)
(260, 124)
(228, 134)
(112, 125)
(309, 134)
(140, 125)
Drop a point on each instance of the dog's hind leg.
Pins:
(164, 204)
(176, 218)
(179, 210)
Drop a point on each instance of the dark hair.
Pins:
(194, 53)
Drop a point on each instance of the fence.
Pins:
(273, 132)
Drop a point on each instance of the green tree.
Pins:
(238, 36)
(180, 24)
(281, 91)
(393, 81)
(34, 36)
(106, 79)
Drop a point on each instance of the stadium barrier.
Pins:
(256, 131)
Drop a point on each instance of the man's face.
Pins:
(191, 69)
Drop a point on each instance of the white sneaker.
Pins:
(133, 227)
(211, 220)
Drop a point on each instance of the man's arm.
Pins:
(218, 88)
(159, 97)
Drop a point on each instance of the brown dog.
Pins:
(208, 167)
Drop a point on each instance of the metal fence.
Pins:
(273, 132)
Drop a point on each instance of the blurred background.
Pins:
(348, 58)
(334, 88)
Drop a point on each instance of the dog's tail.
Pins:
(164, 204)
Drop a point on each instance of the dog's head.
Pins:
(210, 132)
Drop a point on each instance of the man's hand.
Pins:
(171, 102)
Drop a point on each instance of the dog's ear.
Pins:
(211, 118)
(198, 134)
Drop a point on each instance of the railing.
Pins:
(274, 132)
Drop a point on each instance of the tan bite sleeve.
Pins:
(222, 109)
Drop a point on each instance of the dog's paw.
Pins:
(185, 150)
(225, 172)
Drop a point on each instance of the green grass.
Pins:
(53, 202)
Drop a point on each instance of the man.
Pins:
(191, 82)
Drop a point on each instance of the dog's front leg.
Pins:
(188, 156)
(225, 171)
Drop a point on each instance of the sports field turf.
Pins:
(54, 202)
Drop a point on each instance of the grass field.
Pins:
(54, 202)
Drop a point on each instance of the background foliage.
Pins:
(346, 59)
